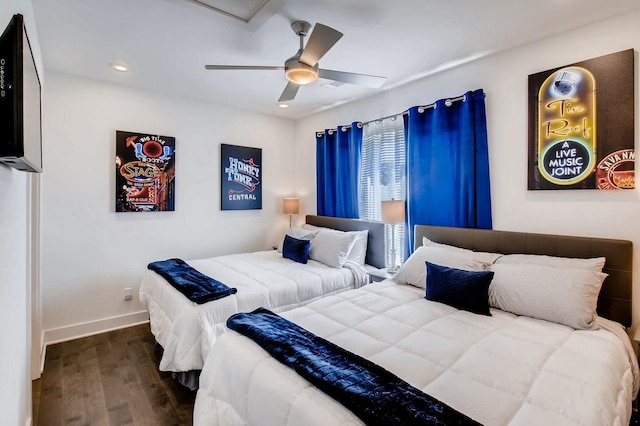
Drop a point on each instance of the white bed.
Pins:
(186, 330)
(502, 369)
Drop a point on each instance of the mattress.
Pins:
(499, 370)
(186, 330)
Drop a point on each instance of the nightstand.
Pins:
(377, 275)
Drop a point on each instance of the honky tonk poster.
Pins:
(241, 180)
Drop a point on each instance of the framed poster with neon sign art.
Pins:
(581, 125)
(145, 172)
(241, 177)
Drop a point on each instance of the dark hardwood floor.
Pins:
(109, 379)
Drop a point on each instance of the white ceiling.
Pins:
(166, 43)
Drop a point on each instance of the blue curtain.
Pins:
(448, 165)
(338, 154)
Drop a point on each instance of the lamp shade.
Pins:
(393, 211)
(290, 205)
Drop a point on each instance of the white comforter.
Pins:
(187, 330)
(498, 370)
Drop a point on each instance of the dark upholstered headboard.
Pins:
(375, 245)
(615, 297)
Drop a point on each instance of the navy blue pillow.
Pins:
(466, 290)
(295, 249)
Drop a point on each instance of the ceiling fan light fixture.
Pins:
(301, 76)
(300, 73)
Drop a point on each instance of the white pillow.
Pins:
(593, 264)
(298, 233)
(414, 270)
(561, 295)
(482, 256)
(358, 252)
(331, 247)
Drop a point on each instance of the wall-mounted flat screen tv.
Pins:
(20, 107)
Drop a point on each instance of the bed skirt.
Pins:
(189, 379)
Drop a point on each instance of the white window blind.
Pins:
(383, 176)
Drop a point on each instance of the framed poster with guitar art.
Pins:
(145, 172)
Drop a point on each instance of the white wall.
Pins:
(89, 252)
(15, 264)
(612, 214)
(15, 304)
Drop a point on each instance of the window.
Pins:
(382, 176)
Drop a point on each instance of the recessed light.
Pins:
(119, 67)
(283, 105)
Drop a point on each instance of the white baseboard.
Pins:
(43, 352)
(76, 331)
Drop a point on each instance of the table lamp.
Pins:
(392, 214)
(290, 206)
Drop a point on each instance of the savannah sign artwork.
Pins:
(581, 125)
(145, 172)
(241, 177)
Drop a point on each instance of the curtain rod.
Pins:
(448, 102)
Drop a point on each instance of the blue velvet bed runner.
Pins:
(372, 393)
(195, 285)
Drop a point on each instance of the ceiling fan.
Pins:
(302, 68)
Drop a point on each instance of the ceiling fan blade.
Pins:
(242, 67)
(373, 81)
(322, 38)
(289, 92)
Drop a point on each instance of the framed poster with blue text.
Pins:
(581, 125)
(241, 179)
(145, 172)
